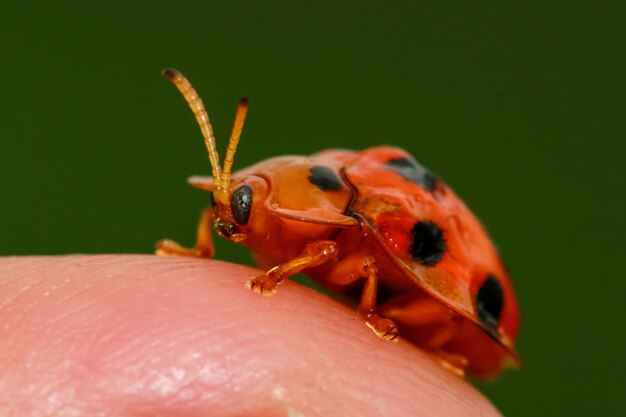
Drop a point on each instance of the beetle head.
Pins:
(244, 214)
(237, 201)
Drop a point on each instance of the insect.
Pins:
(375, 225)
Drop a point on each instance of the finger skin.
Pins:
(133, 335)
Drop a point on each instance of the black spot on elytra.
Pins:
(410, 169)
(241, 203)
(325, 178)
(489, 301)
(428, 245)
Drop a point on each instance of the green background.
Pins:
(520, 107)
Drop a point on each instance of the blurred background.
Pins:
(519, 107)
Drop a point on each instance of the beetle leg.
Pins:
(416, 310)
(383, 327)
(453, 362)
(204, 242)
(314, 254)
(349, 270)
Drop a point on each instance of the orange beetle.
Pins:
(375, 224)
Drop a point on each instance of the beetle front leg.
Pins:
(204, 241)
(314, 254)
(349, 270)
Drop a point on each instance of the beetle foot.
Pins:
(168, 247)
(262, 285)
(452, 362)
(384, 328)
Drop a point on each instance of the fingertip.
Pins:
(178, 335)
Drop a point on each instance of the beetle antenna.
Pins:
(240, 118)
(197, 107)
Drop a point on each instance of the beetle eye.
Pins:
(241, 203)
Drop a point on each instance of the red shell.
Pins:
(391, 204)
